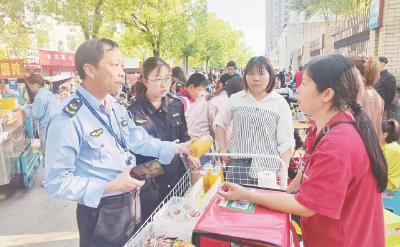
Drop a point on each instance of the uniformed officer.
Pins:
(44, 105)
(88, 150)
(162, 116)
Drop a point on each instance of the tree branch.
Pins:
(142, 26)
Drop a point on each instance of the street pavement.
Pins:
(35, 219)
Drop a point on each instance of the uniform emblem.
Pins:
(124, 123)
(73, 107)
(176, 114)
(141, 121)
(96, 133)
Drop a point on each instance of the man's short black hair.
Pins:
(91, 52)
(231, 64)
(383, 60)
(197, 80)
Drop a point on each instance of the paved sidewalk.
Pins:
(33, 218)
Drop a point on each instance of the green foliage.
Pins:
(133, 45)
(219, 43)
(16, 39)
(42, 38)
(344, 8)
(162, 23)
(178, 30)
(88, 14)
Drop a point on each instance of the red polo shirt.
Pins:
(298, 78)
(339, 186)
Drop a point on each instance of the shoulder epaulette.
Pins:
(73, 107)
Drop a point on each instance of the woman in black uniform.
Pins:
(161, 114)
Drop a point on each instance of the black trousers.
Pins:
(112, 223)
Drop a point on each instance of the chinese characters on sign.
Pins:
(58, 58)
(12, 69)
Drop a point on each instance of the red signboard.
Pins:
(12, 69)
(57, 58)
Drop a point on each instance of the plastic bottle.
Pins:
(200, 146)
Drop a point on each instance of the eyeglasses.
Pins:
(159, 81)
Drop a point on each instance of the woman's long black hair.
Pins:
(338, 73)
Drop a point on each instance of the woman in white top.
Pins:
(262, 123)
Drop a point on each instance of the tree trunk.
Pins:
(186, 64)
(156, 53)
(85, 33)
(207, 60)
(97, 20)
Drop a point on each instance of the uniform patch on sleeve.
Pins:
(96, 133)
(73, 107)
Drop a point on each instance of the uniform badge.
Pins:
(176, 114)
(141, 121)
(124, 123)
(73, 107)
(96, 133)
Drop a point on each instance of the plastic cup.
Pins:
(214, 175)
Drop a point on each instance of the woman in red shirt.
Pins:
(339, 195)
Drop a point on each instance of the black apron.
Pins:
(112, 223)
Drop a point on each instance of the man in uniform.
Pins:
(90, 142)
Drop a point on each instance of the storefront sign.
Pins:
(12, 68)
(375, 17)
(58, 58)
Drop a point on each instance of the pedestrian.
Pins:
(230, 72)
(281, 77)
(262, 123)
(161, 114)
(391, 150)
(89, 149)
(299, 76)
(368, 97)
(386, 86)
(201, 118)
(131, 78)
(339, 193)
(194, 88)
(178, 79)
(44, 105)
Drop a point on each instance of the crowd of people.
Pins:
(351, 152)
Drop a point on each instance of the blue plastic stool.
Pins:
(391, 201)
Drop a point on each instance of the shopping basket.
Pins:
(224, 227)
(152, 226)
(253, 176)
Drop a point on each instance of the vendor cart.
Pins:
(168, 223)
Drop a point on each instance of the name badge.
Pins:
(141, 121)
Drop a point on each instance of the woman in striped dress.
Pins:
(262, 124)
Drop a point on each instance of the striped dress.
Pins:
(259, 127)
